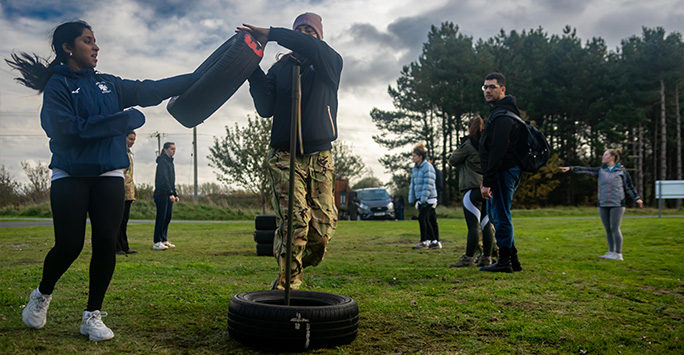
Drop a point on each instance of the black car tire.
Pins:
(312, 320)
(223, 72)
(264, 237)
(264, 249)
(266, 222)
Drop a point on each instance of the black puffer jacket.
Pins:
(500, 140)
(321, 68)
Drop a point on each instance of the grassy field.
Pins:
(566, 301)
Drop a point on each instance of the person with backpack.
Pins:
(613, 181)
(500, 142)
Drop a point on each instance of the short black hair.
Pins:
(500, 78)
(168, 144)
(131, 132)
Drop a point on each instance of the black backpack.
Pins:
(535, 153)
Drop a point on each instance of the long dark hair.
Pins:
(475, 126)
(36, 71)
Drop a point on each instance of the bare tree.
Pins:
(38, 188)
(241, 155)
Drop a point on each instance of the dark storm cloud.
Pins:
(40, 9)
(564, 7)
(359, 73)
(366, 33)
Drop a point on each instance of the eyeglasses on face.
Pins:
(491, 87)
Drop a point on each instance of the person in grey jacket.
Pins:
(613, 181)
(423, 192)
(466, 160)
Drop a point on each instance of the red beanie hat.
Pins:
(311, 19)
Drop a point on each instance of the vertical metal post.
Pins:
(194, 159)
(659, 196)
(294, 121)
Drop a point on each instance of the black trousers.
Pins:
(72, 199)
(122, 239)
(427, 220)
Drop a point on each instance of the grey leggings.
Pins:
(611, 218)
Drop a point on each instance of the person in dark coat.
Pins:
(86, 114)
(501, 169)
(314, 211)
(164, 196)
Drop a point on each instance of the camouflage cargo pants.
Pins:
(314, 216)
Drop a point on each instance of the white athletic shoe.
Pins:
(159, 246)
(435, 245)
(168, 245)
(93, 327)
(616, 256)
(607, 255)
(35, 313)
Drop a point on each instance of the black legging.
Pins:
(71, 199)
(479, 226)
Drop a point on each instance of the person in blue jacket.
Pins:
(314, 213)
(613, 182)
(423, 192)
(86, 114)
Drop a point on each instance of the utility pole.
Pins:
(158, 135)
(194, 158)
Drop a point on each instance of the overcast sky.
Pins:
(155, 39)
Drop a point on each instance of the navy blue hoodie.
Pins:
(321, 68)
(83, 115)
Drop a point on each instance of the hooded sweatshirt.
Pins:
(500, 140)
(321, 68)
(165, 176)
(83, 115)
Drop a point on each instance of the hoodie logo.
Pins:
(76, 91)
(103, 87)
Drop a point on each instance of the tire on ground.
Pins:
(312, 320)
(266, 222)
(223, 72)
(264, 249)
(264, 237)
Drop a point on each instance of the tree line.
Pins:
(582, 95)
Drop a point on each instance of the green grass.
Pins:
(566, 301)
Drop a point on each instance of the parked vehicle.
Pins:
(370, 203)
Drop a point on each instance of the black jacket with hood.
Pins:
(500, 140)
(321, 67)
(165, 177)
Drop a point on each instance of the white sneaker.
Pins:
(168, 245)
(93, 327)
(435, 245)
(616, 256)
(607, 255)
(159, 246)
(35, 313)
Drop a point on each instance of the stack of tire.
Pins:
(264, 232)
